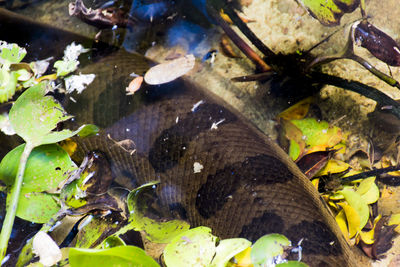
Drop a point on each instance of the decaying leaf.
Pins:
(170, 70)
(329, 12)
(134, 85)
(298, 111)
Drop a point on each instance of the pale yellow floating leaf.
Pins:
(352, 218)
(358, 204)
(243, 258)
(297, 111)
(336, 196)
(365, 185)
(342, 222)
(333, 166)
(170, 70)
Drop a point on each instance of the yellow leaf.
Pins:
(243, 258)
(225, 17)
(297, 111)
(388, 162)
(69, 146)
(395, 219)
(336, 196)
(368, 237)
(365, 185)
(315, 183)
(333, 166)
(295, 136)
(353, 219)
(342, 222)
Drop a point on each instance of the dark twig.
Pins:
(359, 88)
(245, 48)
(367, 174)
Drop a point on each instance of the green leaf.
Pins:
(357, 203)
(47, 166)
(117, 256)
(34, 115)
(65, 67)
(228, 248)
(8, 84)
(195, 247)
(158, 232)
(12, 52)
(266, 248)
(113, 241)
(37, 207)
(329, 12)
(83, 131)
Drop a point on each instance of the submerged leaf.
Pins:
(357, 203)
(329, 12)
(352, 218)
(297, 111)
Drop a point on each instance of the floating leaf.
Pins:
(329, 12)
(267, 247)
(11, 52)
(195, 247)
(158, 232)
(170, 70)
(357, 203)
(46, 167)
(33, 116)
(117, 256)
(243, 258)
(395, 219)
(228, 248)
(113, 241)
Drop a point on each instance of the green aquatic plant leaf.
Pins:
(292, 264)
(228, 248)
(329, 12)
(47, 166)
(11, 53)
(267, 248)
(34, 115)
(195, 247)
(158, 232)
(116, 256)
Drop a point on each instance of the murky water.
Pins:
(164, 29)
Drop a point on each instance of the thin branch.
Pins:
(367, 174)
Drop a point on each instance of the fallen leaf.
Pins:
(297, 111)
(352, 218)
(134, 85)
(170, 70)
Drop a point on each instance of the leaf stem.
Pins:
(13, 204)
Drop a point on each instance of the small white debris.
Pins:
(170, 70)
(85, 222)
(72, 99)
(5, 125)
(214, 126)
(195, 106)
(197, 167)
(40, 66)
(48, 251)
(6, 258)
(72, 51)
(177, 119)
(79, 82)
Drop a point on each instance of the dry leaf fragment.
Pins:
(170, 70)
(134, 85)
